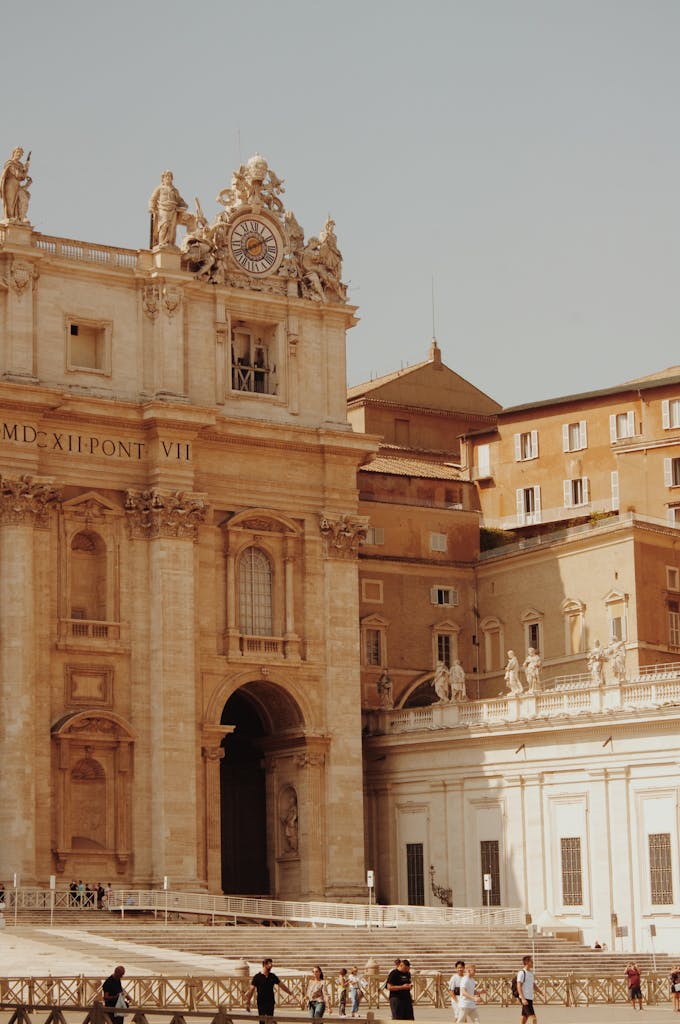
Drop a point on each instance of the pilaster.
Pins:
(25, 503)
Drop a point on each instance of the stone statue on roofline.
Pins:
(14, 183)
(617, 656)
(385, 690)
(512, 679)
(457, 679)
(597, 656)
(168, 211)
(532, 670)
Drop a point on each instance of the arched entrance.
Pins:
(259, 791)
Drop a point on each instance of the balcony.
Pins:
(89, 634)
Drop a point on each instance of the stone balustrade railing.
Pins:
(653, 687)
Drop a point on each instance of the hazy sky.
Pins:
(524, 153)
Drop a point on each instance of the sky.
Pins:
(503, 173)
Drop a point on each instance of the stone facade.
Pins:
(173, 448)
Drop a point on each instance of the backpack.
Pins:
(513, 985)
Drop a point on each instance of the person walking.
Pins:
(454, 984)
(318, 996)
(342, 984)
(525, 988)
(262, 985)
(469, 997)
(114, 994)
(634, 980)
(399, 986)
(356, 989)
(675, 988)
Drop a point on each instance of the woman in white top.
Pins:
(317, 994)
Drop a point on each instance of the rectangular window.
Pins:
(672, 578)
(673, 515)
(375, 535)
(372, 590)
(253, 359)
(88, 346)
(574, 436)
(674, 623)
(526, 446)
(621, 425)
(444, 648)
(444, 596)
(671, 472)
(660, 868)
(438, 541)
(616, 613)
(572, 881)
(670, 413)
(483, 461)
(373, 646)
(489, 850)
(528, 505)
(415, 876)
(534, 635)
(576, 492)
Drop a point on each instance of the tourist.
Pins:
(454, 983)
(399, 986)
(634, 978)
(318, 996)
(263, 983)
(675, 988)
(357, 987)
(342, 984)
(525, 988)
(469, 997)
(114, 994)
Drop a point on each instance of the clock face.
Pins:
(255, 246)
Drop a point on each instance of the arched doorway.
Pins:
(266, 721)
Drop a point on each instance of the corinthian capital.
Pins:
(342, 533)
(27, 499)
(158, 513)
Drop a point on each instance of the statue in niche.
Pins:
(597, 656)
(442, 683)
(14, 183)
(512, 680)
(532, 670)
(385, 691)
(617, 655)
(168, 210)
(289, 822)
(457, 679)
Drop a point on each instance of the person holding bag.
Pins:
(114, 994)
(318, 996)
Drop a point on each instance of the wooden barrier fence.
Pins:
(203, 994)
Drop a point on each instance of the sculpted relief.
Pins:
(254, 242)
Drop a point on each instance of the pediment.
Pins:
(90, 504)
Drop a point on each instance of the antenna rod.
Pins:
(434, 330)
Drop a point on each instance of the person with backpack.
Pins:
(524, 989)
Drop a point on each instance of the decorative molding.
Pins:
(27, 499)
(157, 513)
(342, 533)
(151, 300)
(172, 299)
(309, 760)
(21, 275)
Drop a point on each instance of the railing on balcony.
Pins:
(263, 646)
(88, 629)
(654, 685)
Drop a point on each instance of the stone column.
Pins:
(21, 275)
(311, 804)
(25, 503)
(170, 522)
(233, 637)
(292, 640)
(213, 752)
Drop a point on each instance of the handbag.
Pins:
(121, 1002)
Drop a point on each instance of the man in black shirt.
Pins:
(399, 986)
(112, 989)
(263, 984)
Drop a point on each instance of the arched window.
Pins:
(255, 593)
(492, 632)
(88, 576)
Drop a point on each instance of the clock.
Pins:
(256, 246)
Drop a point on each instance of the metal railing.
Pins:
(320, 913)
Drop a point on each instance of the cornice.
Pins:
(384, 403)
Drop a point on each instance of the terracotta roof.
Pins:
(410, 465)
(378, 382)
